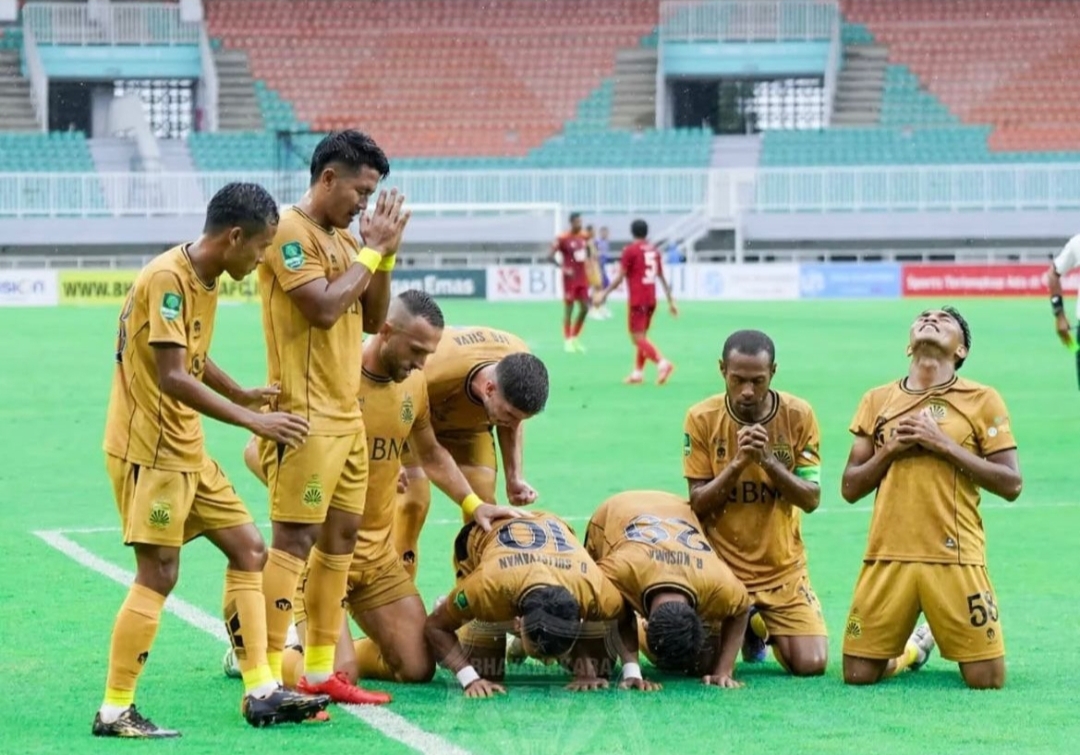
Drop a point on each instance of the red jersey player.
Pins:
(641, 268)
(571, 252)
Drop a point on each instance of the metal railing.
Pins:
(722, 193)
(747, 20)
(143, 194)
(109, 24)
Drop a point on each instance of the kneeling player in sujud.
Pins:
(478, 379)
(528, 576)
(381, 596)
(694, 610)
(168, 490)
(927, 443)
(751, 459)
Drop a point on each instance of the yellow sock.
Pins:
(409, 514)
(292, 667)
(245, 619)
(371, 663)
(276, 663)
(904, 661)
(280, 577)
(133, 634)
(324, 593)
(757, 624)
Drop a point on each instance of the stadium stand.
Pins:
(522, 84)
(968, 81)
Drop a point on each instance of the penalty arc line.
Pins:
(380, 719)
(855, 509)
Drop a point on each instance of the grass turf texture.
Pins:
(597, 437)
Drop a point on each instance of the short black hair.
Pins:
(749, 343)
(245, 205)
(523, 380)
(353, 149)
(964, 328)
(421, 304)
(551, 620)
(675, 635)
(575, 216)
(639, 229)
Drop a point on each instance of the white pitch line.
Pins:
(851, 509)
(387, 723)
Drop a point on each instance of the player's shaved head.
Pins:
(523, 381)
(749, 343)
(639, 229)
(413, 303)
(675, 635)
(550, 620)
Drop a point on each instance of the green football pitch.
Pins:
(63, 563)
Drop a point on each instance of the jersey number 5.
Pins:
(650, 529)
(652, 263)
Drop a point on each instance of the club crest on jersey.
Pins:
(170, 306)
(854, 627)
(313, 492)
(783, 454)
(160, 515)
(407, 410)
(937, 410)
(292, 255)
(721, 451)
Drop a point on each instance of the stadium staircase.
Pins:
(634, 102)
(860, 87)
(16, 108)
(238, 103)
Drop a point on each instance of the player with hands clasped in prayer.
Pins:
(927, 444)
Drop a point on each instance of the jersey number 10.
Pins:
(537, 536)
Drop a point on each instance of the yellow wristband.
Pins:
(471, 503)
(369, 258)
(387, 263)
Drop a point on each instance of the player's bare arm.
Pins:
(220, 382)
(176, 382)
(866, 467)
(1053, 282)
(708, 496)
(441, 469)
(729, 642)
(440, 629)
(804, 494)
(511, 446)
(617, 281)
(376, 297)
(322, 301)
(667, 293)
(628, 653)
(998, 473)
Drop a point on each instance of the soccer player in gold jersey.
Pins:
(751, 458)
(168, 490)
(320, 292)
(381, 596)
(928, 443)
(478, 378)
(528, 575)
(649, 544)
